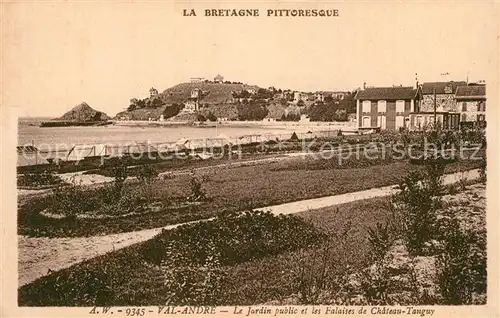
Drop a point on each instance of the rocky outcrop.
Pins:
(83, 113)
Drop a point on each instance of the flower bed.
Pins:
(186, 265)
(38, 180)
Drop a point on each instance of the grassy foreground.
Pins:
(232, 189)
(124, 277)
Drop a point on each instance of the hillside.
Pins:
(216, 93)
(142, 114)
(83, 113)
(229, 111)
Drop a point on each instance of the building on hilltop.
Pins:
(192, 104)
(196, 79)
(219, 79)
(153, 92)
(196, 93)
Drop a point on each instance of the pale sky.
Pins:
(58, 54)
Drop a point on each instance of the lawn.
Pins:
(125, 278)
(227, 189)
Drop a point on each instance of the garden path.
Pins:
(39, 255)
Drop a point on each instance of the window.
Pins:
(464, 106)
(480, 117)
(367, 106)
(481, 107)
(381, 121)
(382, 106)
(400, 106)
(464, 117)
(419, 121)
(399, 122)
(366, 121)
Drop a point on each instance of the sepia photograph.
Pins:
(274, 158)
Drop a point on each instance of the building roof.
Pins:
(219, 77)
(471, 92)
(387, 93)
(428, 87)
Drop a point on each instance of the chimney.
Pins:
(364, 85)
(416, 81)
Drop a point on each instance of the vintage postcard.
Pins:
(258, 158)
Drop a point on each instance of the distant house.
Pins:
(191, 105)
(125, 117)
(298, 96)
(320, 96)
(444, 93)
(339, 95)
(196, 93)
(471, 101)
(219, 79)
(386, 107)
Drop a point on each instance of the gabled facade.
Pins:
(386, 107)
(471, 101)
(443, 93)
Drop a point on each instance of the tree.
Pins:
(211, 116)
(301, 103)
(252, 111)
(156, 102)
(172, 110)
(290, 117)
(133, 104)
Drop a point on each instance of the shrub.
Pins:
(197, 192)
(415, 206)
(236, 236)
(211, 116)
(120, 174)
(75, 199)
(482, 168)
(192, 257)
(379, 239)
(192, 283)
(147, 173)
(375, 284)
(461, 266)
